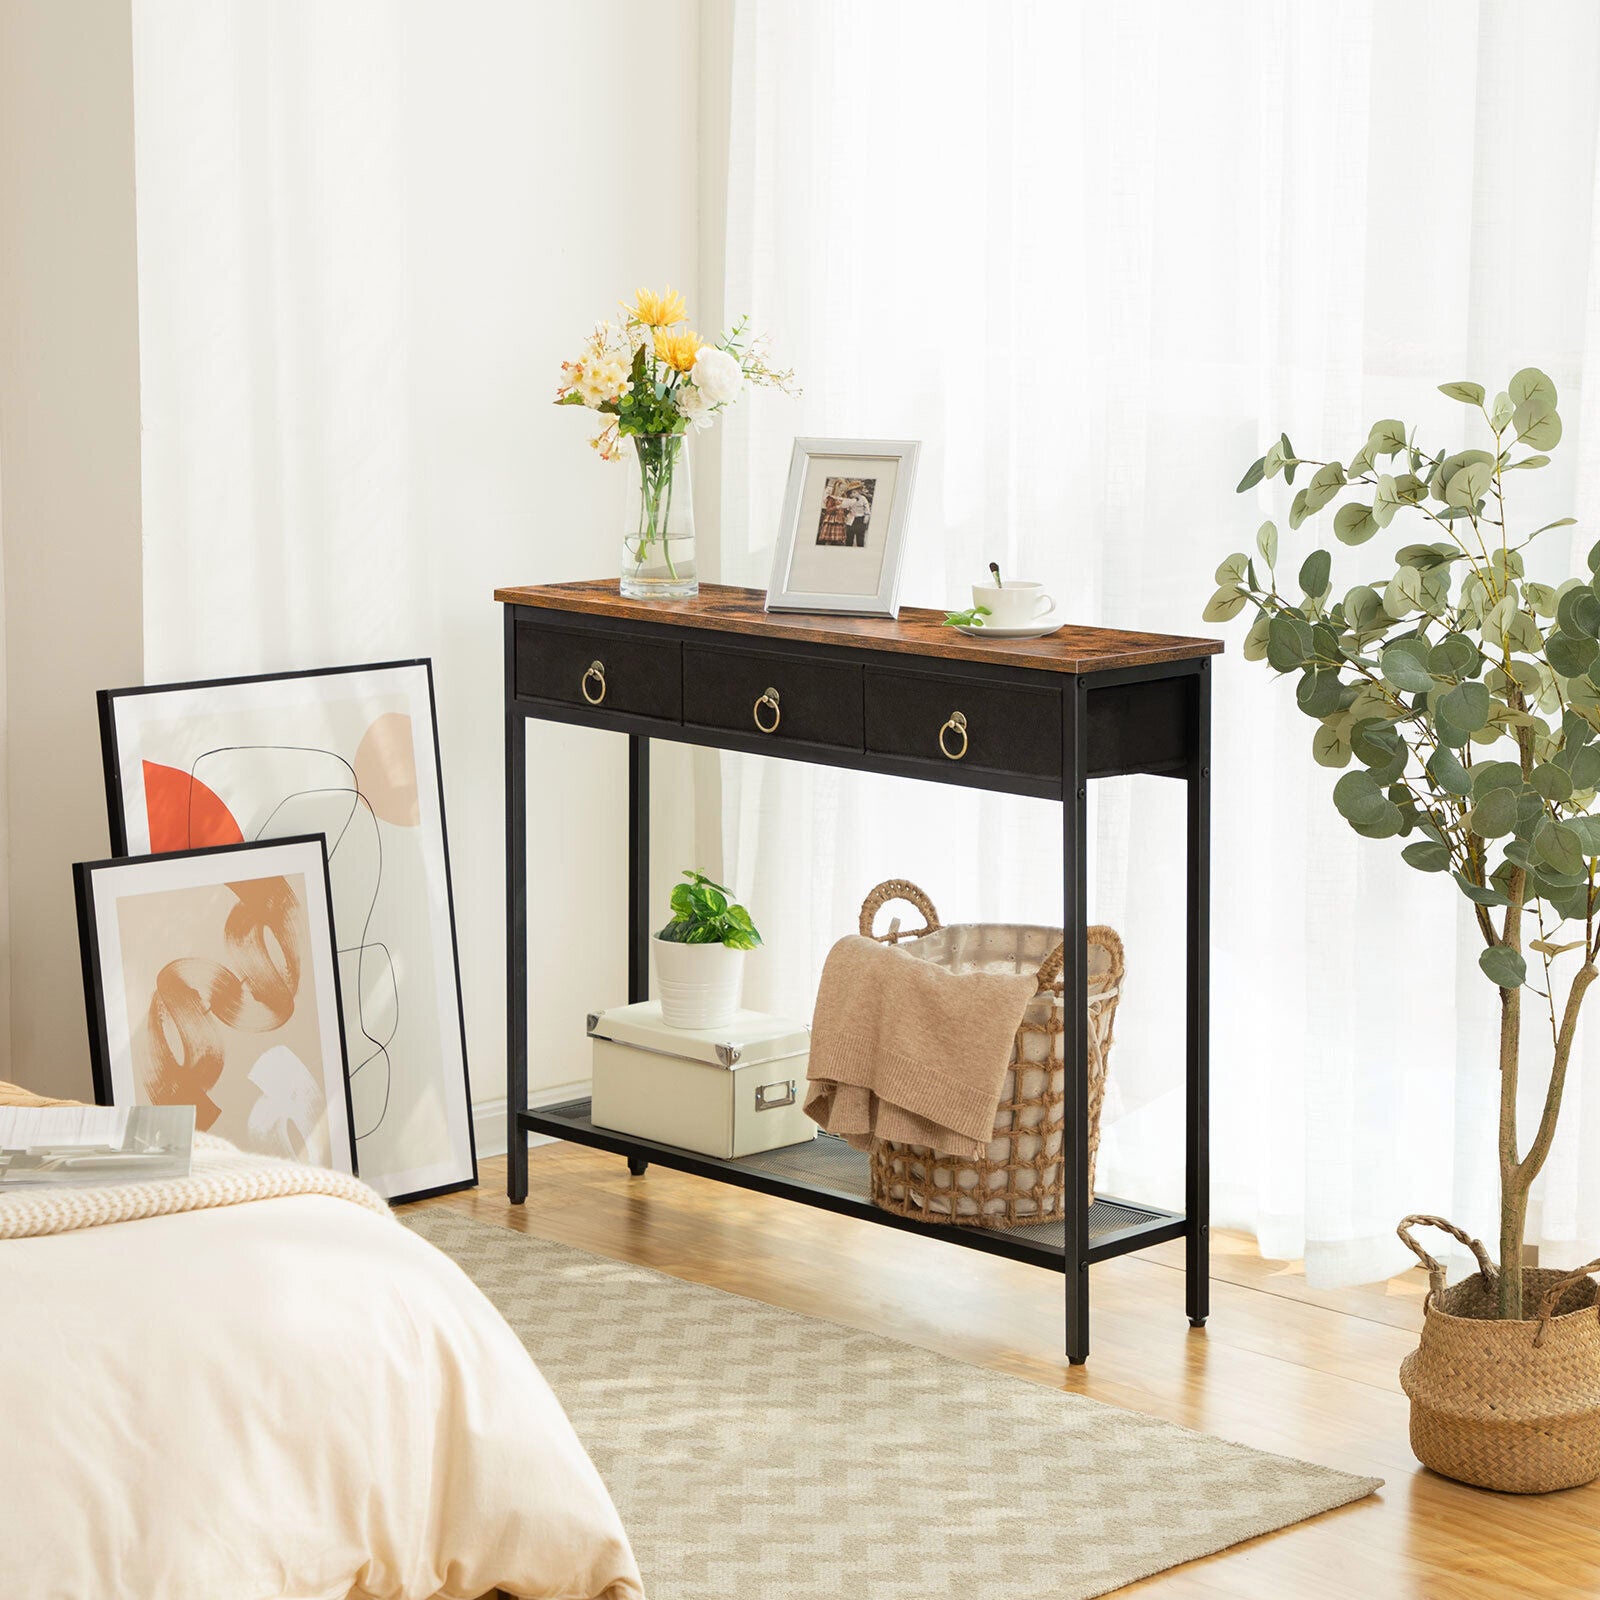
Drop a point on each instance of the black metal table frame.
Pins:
(1193, 768)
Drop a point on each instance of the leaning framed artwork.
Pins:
(210, 981)
(351, 753)
(842, 538)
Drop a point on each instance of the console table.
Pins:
(918, 700)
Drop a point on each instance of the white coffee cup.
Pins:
(1013, 604)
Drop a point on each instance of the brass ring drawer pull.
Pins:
(768, 698)
(956, 724)
(596, 670)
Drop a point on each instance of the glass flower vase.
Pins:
(658, 559)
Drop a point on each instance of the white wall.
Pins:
(69, 485)
(368, 234)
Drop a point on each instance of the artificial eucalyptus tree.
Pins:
(1463, 701)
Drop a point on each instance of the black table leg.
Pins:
(638, 868)
(1075, 988)
(1197, 1121)
(516, 932)
(638, 886)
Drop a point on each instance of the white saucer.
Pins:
(1034, 630)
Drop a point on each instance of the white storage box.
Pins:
(729, 1091)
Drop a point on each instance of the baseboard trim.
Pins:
(489, 1116)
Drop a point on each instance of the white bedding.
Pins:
(292, 1399)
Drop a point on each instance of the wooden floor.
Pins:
(1280, 1366)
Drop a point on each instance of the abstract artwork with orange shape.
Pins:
(184, 814)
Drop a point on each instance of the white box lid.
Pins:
(750, 1037)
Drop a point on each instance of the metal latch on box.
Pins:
(769, 1096)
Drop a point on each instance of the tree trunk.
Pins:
(1513, 1193)
(1513, 1201)
(1516, 1177)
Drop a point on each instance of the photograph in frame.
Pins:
(210, 982)
(351, 753)
(841, 540)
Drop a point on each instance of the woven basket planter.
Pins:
(1020, 1179)
(1502, 1405)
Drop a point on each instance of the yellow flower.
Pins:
(678, 350)
(658, 310)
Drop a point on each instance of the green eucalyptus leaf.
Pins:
(1553, 782)
(1570, 654)
(1585, 768)
(1468, 393)
(1354, 523)
(1256, 471)
(1448, 773)
(1427, 856)
(1588, 831)
(1467, 705)
(1317, 693)
(1358, 797)
(1401, 667)
(1388, 822)
(1500, 413)
(1363, 608)
(1578, 614)
(1330, 744)
(1531, 385)
(1503, 966)
(1231, 569)
(1495, 814)
(1560, 522)
(1469, 485)
(1315, 572)
(1267, 542)
(1538, 425)
(1526, 461)
(1541, 597)
(1522, 633)
(1287, 649)
(1387, 438)
(1478, 893)
(1255, 642)
(1558, 845)
(1455, 656)
(1225, 605)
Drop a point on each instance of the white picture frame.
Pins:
(841, 541)
(211, 981)
(351, 753)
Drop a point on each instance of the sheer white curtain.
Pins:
(1095, 257)
(368, 234)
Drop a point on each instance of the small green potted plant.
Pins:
(699, 955)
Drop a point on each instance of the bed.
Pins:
(289, 1398)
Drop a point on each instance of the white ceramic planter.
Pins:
(698, 984)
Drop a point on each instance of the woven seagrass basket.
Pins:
(1021, 1177)
(1503, 1405)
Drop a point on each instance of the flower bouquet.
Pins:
(652, 378)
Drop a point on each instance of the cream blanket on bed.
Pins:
(294, 1400)
(220, 1176)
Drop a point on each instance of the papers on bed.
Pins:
(93, 1144)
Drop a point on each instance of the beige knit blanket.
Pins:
(902, 1049)
(220, 1175)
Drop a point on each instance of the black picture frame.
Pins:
(83, 876)
(108, 701)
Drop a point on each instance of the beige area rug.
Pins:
(757, 1454)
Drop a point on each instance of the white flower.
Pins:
(718, 376)
(692, 402)
(603, 378)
